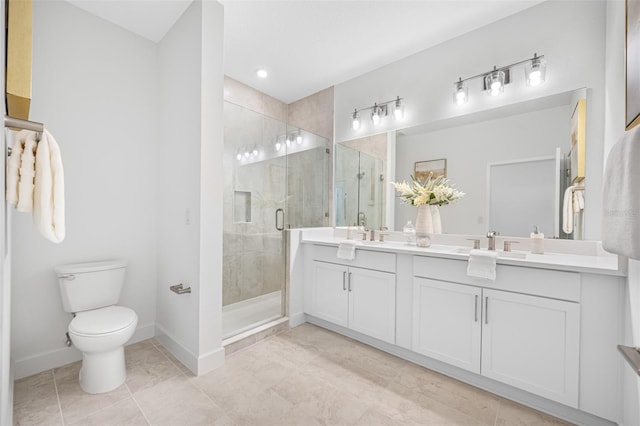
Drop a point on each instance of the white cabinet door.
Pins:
(372, 303)
(532, 343)
(328, 299)
(447, 322)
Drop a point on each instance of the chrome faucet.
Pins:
(491, 236)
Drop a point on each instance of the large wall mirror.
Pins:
(513, 163)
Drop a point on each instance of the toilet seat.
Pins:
(102, 321)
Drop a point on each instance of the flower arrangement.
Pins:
(432, 190)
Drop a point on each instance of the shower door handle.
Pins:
(280, 212)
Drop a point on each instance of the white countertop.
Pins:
(607, 264)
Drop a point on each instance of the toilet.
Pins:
(99, 328)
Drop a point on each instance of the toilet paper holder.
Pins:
(179, 289)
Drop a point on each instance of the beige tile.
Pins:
(511, 413)
(76, 403)
(183, 368)
(420, 384)
(147, 366)
(124, 412)
(177, 402)
(35, 401)
(265, 408)
(318, 400)
(243, 95)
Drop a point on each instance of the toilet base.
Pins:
(102, 371)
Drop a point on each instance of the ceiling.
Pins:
(307, 46)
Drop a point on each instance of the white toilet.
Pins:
(99, 328)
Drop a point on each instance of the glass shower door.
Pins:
(255, 197)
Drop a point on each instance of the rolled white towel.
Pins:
(48, 199)
(27, 174)
(13, 166)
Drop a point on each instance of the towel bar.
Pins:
(179, 290)
(17, 123)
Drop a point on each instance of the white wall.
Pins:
(468, 149)
(570, 34)
(94, 87)
(190, 163)
(614, 128)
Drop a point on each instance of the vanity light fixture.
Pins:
(495, 80)
(460, 92)
(355, 120)
(398, 109)
(379, 112)
(299, 138)
(535, 71)
(278, 146)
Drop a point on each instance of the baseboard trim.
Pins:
(297, 319)
(211, 360)
(177, 349)
(34, 364)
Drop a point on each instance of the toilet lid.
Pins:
(102, 321)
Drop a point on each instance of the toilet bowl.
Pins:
(100, 328)
(101, 334)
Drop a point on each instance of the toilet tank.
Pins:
(90, 285)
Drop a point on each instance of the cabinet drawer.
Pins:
(368, 259)
(540, 282)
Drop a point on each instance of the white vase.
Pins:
(424, 226)
(437, 224)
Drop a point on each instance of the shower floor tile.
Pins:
(304, 376)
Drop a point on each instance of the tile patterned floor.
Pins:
(305, 376)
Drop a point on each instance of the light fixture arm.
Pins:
(503, 68)
(377, 105)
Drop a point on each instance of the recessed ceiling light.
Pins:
(262, 73)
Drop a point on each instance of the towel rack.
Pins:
(17, 123)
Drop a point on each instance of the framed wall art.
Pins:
(435, 168)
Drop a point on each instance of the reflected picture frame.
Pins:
(423, 169)
(632, 60)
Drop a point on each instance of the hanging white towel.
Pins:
(48, 204)
(578, 200)
(567, 210)
(347, 250)
(13, 166)
(27, 174)
(620, 197)
(482, 264)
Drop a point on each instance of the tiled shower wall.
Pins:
(253, 258)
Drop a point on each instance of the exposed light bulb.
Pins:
(398, 110)
(255, 152)
(278, 146)
(460, 92)
(288, 140)
(355, 123)
(535, 71)
(262, 73)
(375, 115)
(247, 154)
(299, 138)
(239, 156)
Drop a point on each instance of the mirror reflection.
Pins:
(513, 163)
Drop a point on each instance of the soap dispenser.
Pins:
(537, 241)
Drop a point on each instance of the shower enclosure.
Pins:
(360, 188)
(276, 177)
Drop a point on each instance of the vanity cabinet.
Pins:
(526, 341)
(363, 300)
(352, 296)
